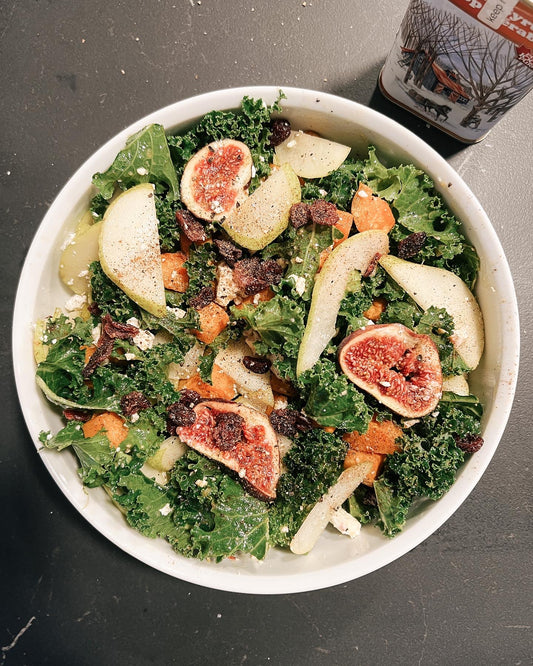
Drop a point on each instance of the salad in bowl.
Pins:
(267, 341)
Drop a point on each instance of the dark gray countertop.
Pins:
(74, 74)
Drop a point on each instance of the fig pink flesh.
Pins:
(397, 366)
(214, 177)
(255, 458)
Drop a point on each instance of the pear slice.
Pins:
(252, 386)
(311, 156)
(78, 255)
(129, 248)
(354, 254)
(457, 384)
(265, 213)
(429, 286)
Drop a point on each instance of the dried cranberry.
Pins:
(94, 309)
(190, 398)
(411, 245)
(279, 131)
(299, 215)
(229, 252)
(228, 430)
(289, 422)
(323, 212)
(116, 330)
(203, 298)
(253, 275)
(190, 226)
(179, 415)
(372, 265)
(134, 402)
(100, 355)
(76, 415)
(257, 365)
(469, 443)
(368, 496)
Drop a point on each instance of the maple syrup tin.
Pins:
(461, 64)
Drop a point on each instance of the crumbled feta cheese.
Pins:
(96, 333)
(83, 274)
(76, 302)
(362, 194)
(144, 340)
(299, 284)
(322, 193)
(291, 144)
(385, 384)
(129, 356)
(142, 171)
(177, 312)
(410, 423)
(134, 417)
(242, 473)
(298, 260)
(165, 510)
(226, 287)
(284, 529)
(133, 321)
(201, 483)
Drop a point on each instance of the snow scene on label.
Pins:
(450, 68)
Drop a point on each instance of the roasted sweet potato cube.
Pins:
(381, 437)
(175, 275)
(213, 320)
(113, 425)
(370, 211)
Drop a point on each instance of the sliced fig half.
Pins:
(214, 180)
(398, 367)
(253, 453)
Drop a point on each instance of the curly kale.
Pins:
(428, 462)
(216, 517)
(250, 124)
(313, 463)
(331, 399)
(110, 298)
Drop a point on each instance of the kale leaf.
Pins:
(280, 325)
(250, 124)
(216, 517)
(331, 399)
(338, 187)
(313, 464)
(145, 159)
(110, 298)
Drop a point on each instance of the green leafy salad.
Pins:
(268, 334)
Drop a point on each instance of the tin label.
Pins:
(454, 70)
(494, 12)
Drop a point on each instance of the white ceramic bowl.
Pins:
(335, 559)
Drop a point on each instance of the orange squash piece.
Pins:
(264, 295)
(223, 383)
(113, 425)
(358, 457)
(381, 437)
(195, 383)
(377, 308)
(370, 211)
(175, 275)
(213, 320)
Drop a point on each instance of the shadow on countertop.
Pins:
(365, 90)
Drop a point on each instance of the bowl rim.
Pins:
(187, 110)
